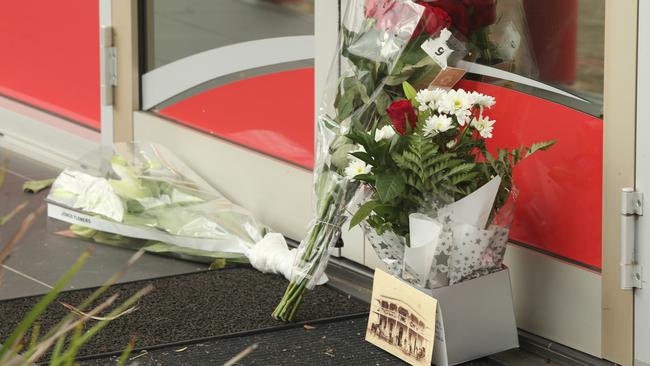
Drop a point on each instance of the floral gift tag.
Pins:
(438, 49)
(445, 50)
(447, 78)
(402, 320)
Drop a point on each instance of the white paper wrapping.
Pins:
(453, 246)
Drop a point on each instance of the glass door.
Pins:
(229, 85)
(549, 85)
(50, 76)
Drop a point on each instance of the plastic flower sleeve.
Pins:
(373, 36)
(358, 99)
(142, 191)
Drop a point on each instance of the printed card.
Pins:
(402, 320)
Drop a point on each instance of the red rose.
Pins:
(484, 12)
(458, 13)
(433, 20)
(398, 112)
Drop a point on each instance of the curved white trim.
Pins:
(484, 70)
(174, 78)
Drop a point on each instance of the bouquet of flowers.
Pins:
(380, 48)
(141, 196)
(439, 204)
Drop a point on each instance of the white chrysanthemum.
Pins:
(482, 100)
(385, 133)
(451, 144)
(458, 103)
(436, 124)
(356, 167)
(484, 126)
(428, 98)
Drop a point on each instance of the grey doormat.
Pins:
(334, 343)
(192, 306)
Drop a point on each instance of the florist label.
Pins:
(447, 78)
(402, 320)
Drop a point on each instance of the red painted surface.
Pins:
(559, 207)
(272, 113)
(50, 56)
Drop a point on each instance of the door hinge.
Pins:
(108, 67)
(631, 209)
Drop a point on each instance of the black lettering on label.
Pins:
(77, 218)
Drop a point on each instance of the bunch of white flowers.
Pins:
(440, 111)
(442, 105)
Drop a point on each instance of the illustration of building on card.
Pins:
(399, 325)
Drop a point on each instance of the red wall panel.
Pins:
(560, 202)
(49, 56)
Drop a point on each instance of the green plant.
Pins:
(432, 154)
(67, 337)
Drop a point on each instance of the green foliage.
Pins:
(416, 173)
(409, 91)
(390, 185)
(66, 338)
(506, 160)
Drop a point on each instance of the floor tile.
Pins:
(46, 255)
(14, 286)
(26, 167)
(11, 196)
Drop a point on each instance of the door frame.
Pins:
(618, 156)
(642, 296)
(618, 172)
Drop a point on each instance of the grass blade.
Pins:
(126, 353)
(3, 171)
(101, 324)
(5, 219)
(42, 304)
(110, 282)
(18, 234)
(241, 355)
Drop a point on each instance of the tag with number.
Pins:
(438, 49)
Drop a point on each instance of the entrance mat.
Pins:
(331, 343)
(191, 306)
(325, 343)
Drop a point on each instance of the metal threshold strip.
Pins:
(356, 280)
